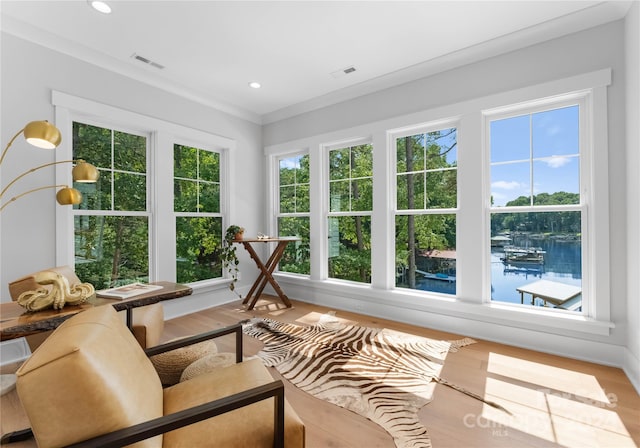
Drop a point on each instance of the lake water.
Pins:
(562, 264)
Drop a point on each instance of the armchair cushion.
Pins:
(250, 426)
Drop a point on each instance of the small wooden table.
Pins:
(16, 322)
(553, 292)
(266, 269)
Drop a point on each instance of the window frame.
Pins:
(275, 175)
(224, 201)
(408, 131)
(163, 135)
(327, 213)
(585, 132)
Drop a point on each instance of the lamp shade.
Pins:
(42, 134)
(68, 196)
(85, 172)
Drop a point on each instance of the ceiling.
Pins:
(297, 50)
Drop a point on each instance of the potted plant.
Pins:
(228, 254)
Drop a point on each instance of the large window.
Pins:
(536, 207)
(196, 189)
(426, 201)
(293, 212)
(349, 220)
(111, 225)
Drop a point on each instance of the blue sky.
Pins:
(544, 145)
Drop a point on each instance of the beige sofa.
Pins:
(90, 383)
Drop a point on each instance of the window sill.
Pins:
(548, 321)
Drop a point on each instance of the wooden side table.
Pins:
(266, 269)
(16, 322)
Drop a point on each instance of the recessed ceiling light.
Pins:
(100, 6)
(254, 85)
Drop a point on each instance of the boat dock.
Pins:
(558, 294)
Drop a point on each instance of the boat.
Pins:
(528, 255)
(500, 241)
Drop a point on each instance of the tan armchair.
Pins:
(91, 384)
(147, 321)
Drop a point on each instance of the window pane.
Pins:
(185, 195)
(511, 184)
(121, 185)
(130, 192)
(111, 250)
(129, 152)
(92, 144)
(442, 189)
(339, 196)
(351, 177)
(294, 184)
(296, 257)
(556, 132)
(361, 192)
(209, 197)
(539, 253)
(209, 166)
(185, 162)
(410, 153)
(556, 181)
(302, 199)
(350, 248)
(410, 193)
(426, 252)
(339, 164)
(196, 184)
(288, 199)
(361, 161)
(426, 167)
(198, 248)
(551, 166)
(510, 139)
(95, 196)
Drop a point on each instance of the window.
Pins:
(111, 226)
(536, 206)
(293, 214)
(196, 188)
(350, 189)
(426, 201)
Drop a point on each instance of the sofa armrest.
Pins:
(152, 428)
(236, 328)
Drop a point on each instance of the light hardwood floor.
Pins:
(554, 401)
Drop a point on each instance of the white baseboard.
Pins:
(631, 368)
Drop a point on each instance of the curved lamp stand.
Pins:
(45, 135)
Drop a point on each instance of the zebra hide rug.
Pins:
(383, 375)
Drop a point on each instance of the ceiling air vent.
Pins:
(343, 71)
(147, 61)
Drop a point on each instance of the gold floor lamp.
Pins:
(45, 135)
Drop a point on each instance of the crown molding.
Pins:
(54, 42)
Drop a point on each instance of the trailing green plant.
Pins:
(228, 255)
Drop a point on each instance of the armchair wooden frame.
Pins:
(205, 411)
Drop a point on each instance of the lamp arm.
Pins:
(4, 190)
(4, 153)
(15, 198)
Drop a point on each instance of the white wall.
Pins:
(632, 54)
(591, 50)
(29, 73)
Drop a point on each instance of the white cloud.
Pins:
(557, 161)
(505, 185)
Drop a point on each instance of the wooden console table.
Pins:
(16, 322)
(266, 269)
